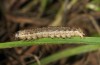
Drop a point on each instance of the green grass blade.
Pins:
(76, 40)
(93, 7)
(43, 6)
(96, 2)
(29, 6)
(67, 53)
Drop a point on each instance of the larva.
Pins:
(48, 32)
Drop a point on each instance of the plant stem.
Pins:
(72, 40)
(67, 53)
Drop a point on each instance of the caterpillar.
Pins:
(48, 32)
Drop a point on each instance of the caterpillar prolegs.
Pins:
(48, 32)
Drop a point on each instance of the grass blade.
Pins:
(76, 40)
(67, 53)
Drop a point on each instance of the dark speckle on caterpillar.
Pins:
(48, 32)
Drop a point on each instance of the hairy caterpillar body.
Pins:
(48, 32)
